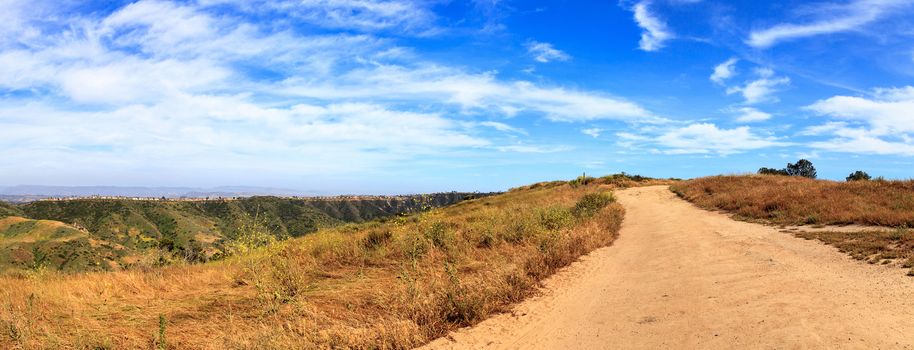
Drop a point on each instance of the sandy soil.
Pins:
(683, 278)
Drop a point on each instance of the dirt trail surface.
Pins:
(683, 278)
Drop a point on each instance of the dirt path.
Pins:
(682, 278)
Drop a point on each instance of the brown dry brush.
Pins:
(797, 201)
(787, 200)
(390, 285)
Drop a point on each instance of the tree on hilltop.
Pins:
(772, 171)
(858, 175)
(802, 168)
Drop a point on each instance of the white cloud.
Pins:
(831, 19)
(824, 129)
(592, 132)
(524, 148)
(472, 92)
(173, 86)
(502, 127)
(724, 71)
(881, 124)
(890, 111)
(545, 53)
(362, 15)
(708, 138)
(761, 89)
(631, 137)
(862, 141)
(198, 132)
(750, 115)
(654, 31)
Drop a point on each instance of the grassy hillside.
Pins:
(787, 200)
(7, 209)
(114, 234)
(39, 244)
(791, 200)
(392, 284)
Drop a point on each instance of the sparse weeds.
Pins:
(440, 235)
(875, 247)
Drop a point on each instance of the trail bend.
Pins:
(684, 278)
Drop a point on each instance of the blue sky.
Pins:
(393, 96)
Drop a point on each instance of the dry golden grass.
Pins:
(797, 201)
(787, 200)
(389, 285)
(874, 247)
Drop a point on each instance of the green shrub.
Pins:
(582, 180)
(249, 237)
(520, 228)
(592, 203)
(556, 218)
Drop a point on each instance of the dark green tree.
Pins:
(802, 168)
(772, 171)
(858, 175)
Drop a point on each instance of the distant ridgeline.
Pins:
(106, 234)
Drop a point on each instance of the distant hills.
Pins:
(27, 193)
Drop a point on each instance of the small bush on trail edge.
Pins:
(591, 203)
(858, 176)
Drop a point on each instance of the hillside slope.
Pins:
(37, 244)
(120, 233)
(378, 285)
(9, 210)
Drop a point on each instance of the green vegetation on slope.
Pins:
(120, 233)
(9, 210)
(41, 244)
